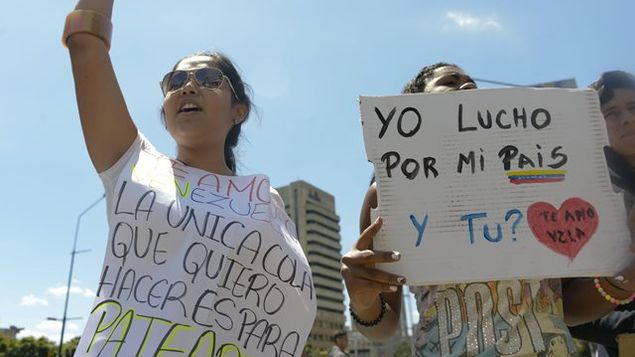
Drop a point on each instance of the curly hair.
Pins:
(418, 83)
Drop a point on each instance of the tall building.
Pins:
(313, 212)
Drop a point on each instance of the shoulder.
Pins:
(145, 144)
(370, 199)
(132, 155)
(275, 197)
(141, 144)
(370, 203)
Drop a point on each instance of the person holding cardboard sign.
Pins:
(616, 90)
(496, 318)
(199, 261)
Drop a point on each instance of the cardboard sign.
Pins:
(494, 184)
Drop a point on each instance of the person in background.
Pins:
(341, 345)
(616, 91)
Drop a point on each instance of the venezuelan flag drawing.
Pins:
(536, 176)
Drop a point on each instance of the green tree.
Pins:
(6, 345)
(402, 349)
(69, 347)
(310, 351)
(32, 347)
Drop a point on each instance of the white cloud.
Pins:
(55, 337)
(37, 334)
(461, 20)
(60, 291)
(32, 300)
(51, 330)
(49, 326)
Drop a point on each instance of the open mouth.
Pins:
(189, 108)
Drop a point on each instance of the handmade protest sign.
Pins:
(197, 264)
(494, 184)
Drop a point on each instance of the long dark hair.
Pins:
(243, 96)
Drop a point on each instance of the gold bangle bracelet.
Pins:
(87, 21)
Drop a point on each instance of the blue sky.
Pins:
(307, 63)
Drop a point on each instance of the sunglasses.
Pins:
(207, 77)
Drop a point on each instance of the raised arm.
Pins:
(364, 283)
(106, 124)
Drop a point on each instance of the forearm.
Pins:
(583, 303)
(106, 123)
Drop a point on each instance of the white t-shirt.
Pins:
(197, 264)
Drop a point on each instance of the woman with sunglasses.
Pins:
(199, 261)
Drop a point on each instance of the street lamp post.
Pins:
(67, 319)
(70, 272)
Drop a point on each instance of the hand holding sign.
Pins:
(364, 283)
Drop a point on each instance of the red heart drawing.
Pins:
(564, 231)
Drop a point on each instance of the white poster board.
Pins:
(494, 184)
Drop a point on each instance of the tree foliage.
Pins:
(26, 347)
